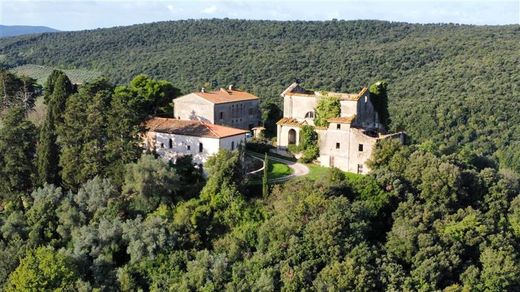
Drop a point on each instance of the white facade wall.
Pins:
(348, 108)
(297, 106)
(193, 107)
(232, 143)
(341, 148)
(282, 135)
(189, 145)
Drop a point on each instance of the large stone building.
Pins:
(171, 138)
(348, 141)
(228, 107)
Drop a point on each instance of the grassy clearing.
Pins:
(278, 169)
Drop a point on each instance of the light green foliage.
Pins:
(514, 216)
(500, 267)
(150, 181)
(308, 144)
(43, 269)
(42, 216)
(327, 107)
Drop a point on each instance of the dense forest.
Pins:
(82, 208)
(454, 87)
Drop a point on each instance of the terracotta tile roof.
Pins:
(342, 120)
(191, 128)
(226, 95)
(290, 122)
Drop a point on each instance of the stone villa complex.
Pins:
(348, 141)
(204, 123)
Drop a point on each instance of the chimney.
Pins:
(230, 87)
(202, 89)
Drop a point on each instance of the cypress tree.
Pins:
(265, 186)
(48, 151)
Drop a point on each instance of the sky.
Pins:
(91, 14)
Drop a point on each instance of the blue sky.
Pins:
(89, 14)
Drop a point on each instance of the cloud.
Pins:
(210, 10)
(171, 8)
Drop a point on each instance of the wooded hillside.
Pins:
(454, 85)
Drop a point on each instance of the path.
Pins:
(299, 169)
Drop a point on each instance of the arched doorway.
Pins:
(292, 136)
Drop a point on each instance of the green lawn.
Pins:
(278, 169)
(316, 172)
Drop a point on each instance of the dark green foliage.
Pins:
(191, 178)
(17, 91)
(59, 89)
(265, 185)
(17, 150)
(83, 135)
(437, 216)
(456, 85)
(379, 98)
(271, 113)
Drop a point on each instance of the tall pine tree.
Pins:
(83, 134)
(48, 149)
(17, 150)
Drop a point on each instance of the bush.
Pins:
(310, 154)
(258, 146)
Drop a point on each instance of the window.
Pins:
(338, 126)
(232, 145)
(250, 111)
(170, 143)
(337, 145)
(201, 147)
(360, 168)
(309, 115)
(360, 147)
(221, 115)
(189, 147)
(162, 145)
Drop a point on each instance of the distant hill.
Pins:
(40, 73)
(15, 30)
(456, 85)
